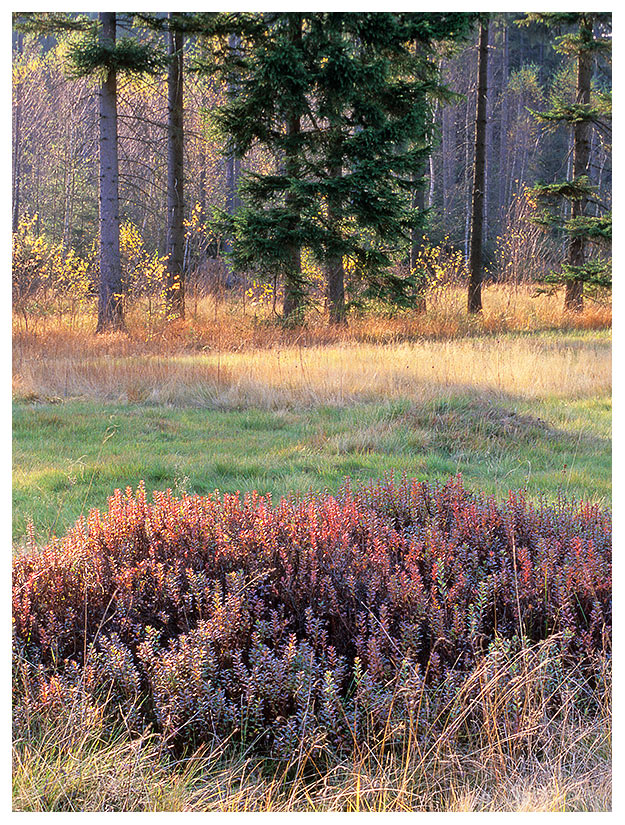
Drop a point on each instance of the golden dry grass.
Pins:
(534, 761)
(228, 326)
(273, 379)
(232, 362)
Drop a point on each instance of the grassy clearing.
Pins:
(517, 398)
(69, 456)
(569, 366)
(511, 411)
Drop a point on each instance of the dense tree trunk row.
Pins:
(472, 176)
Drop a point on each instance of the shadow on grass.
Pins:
(69, 457)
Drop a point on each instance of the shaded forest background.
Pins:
(55, 172)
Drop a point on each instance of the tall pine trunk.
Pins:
(233, 172)
(503, 127)
(175, 173)
(476, 263)
(489, 148)
(574, 290)
(335, 272)
(293, 296)
(17, 142)
(417, 236)
(110, 312)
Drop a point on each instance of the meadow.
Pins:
(516, 400)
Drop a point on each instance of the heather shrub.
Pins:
(314, 623)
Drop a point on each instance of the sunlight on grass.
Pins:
(305, 377)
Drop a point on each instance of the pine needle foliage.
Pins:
(588, 265)
(90, 55)
(342, 101)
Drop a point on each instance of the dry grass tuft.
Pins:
(546, 762)
(227, 361)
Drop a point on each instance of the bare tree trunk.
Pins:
(489, 143)
(574, 292)
(476, 263)
(175, 175)
(431, 163)
(233, 171)
(418, 202)
(292, 294)
(446, 146)
(467, 177)
(335, 272)
(503, 133)
(110, 312)
(293, 298)
(17, 144)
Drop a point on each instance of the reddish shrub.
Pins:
(208, 616)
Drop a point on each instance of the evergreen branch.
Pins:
(91, 56)
(569, 189)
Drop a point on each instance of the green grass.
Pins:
(70, 456)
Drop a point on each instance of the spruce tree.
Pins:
(342, 101)
(590, 37)
(101, 54)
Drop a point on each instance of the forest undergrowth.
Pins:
(401, 646)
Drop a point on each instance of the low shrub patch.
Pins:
(315, 622)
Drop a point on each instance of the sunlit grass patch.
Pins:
(64, 467)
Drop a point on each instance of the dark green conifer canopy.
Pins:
(361, 87)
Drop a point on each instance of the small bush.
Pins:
(48, 278)
(313, 623)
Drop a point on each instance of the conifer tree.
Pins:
(100, 53)
(95, 50)
(339, 100)
(581, 229)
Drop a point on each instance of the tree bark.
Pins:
(503, 127)
(417, 236)
(335, 272)
(293, 298)
(467, 187)
(447, 148)
(489, 146)
(17, 143)
(476, 263)
(574, 290)
(110, 311)
(175, 175)
(431, 159)
(233, 172)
